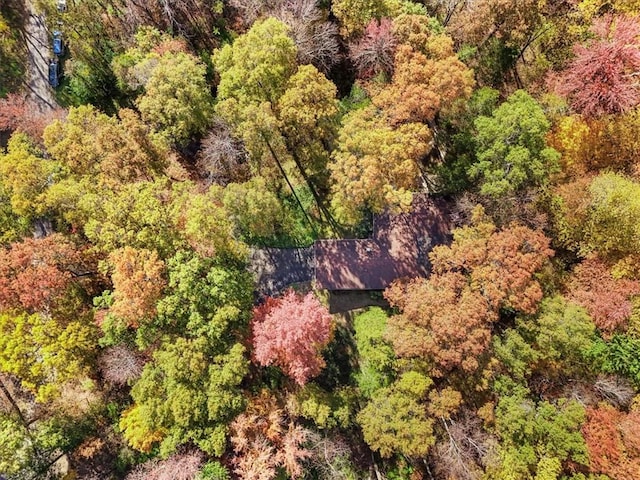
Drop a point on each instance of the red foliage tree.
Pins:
(601, 435)
(612, 441)
(602, 78)
(501, 264)
(442, 319)
(374, 52)
(36, 273)
(448, 317)
(290, 332)
(607, 299)
(18, 112)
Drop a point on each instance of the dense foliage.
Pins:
(156, 315)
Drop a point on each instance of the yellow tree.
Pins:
(308, 112)
(138, 282)
(375, 165)
(45, 353)
(25, 175)
(428, 76)
(177, 101)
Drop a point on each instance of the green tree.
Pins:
(25, 175)
(555, 342)
(512, 152)
(612, 223)
(177, 101)
(620, 355)
(206, 297)
(16, 448)
(255, 68)
(133, 67)
(459, 143)
(565, 333)
(91, 45)
(394, 421)
(188, 393)
(72, 141)
(206, 223)
(12, 226)
(12, 65)
(327, 410)
(308, 114)
(355, 15)
(136, 215)
(536, 439)
(256, 211)
(285, 115)
(376, 358)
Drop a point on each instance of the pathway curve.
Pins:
(38, 41)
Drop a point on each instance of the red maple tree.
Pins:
(18, 112)
(501, 264)
(36, 273)
(443, 319)
(291, 332)
(603, 77)
(613, 442)
(607, 299)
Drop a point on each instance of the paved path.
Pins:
(38, 41)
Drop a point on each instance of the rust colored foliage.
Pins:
(613, 442)
(607, 299)
(422, 86)
(500, 264)
(448, 317)
(35, 274)
(428, 76)
(374, 52)
(21, 113)
(443, 319)
(291, 332)
(602, 78)
(138, 282)
(264, 439)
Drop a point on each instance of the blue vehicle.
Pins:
(54, 74)
(58, 46)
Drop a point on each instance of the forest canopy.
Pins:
(171, 173)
